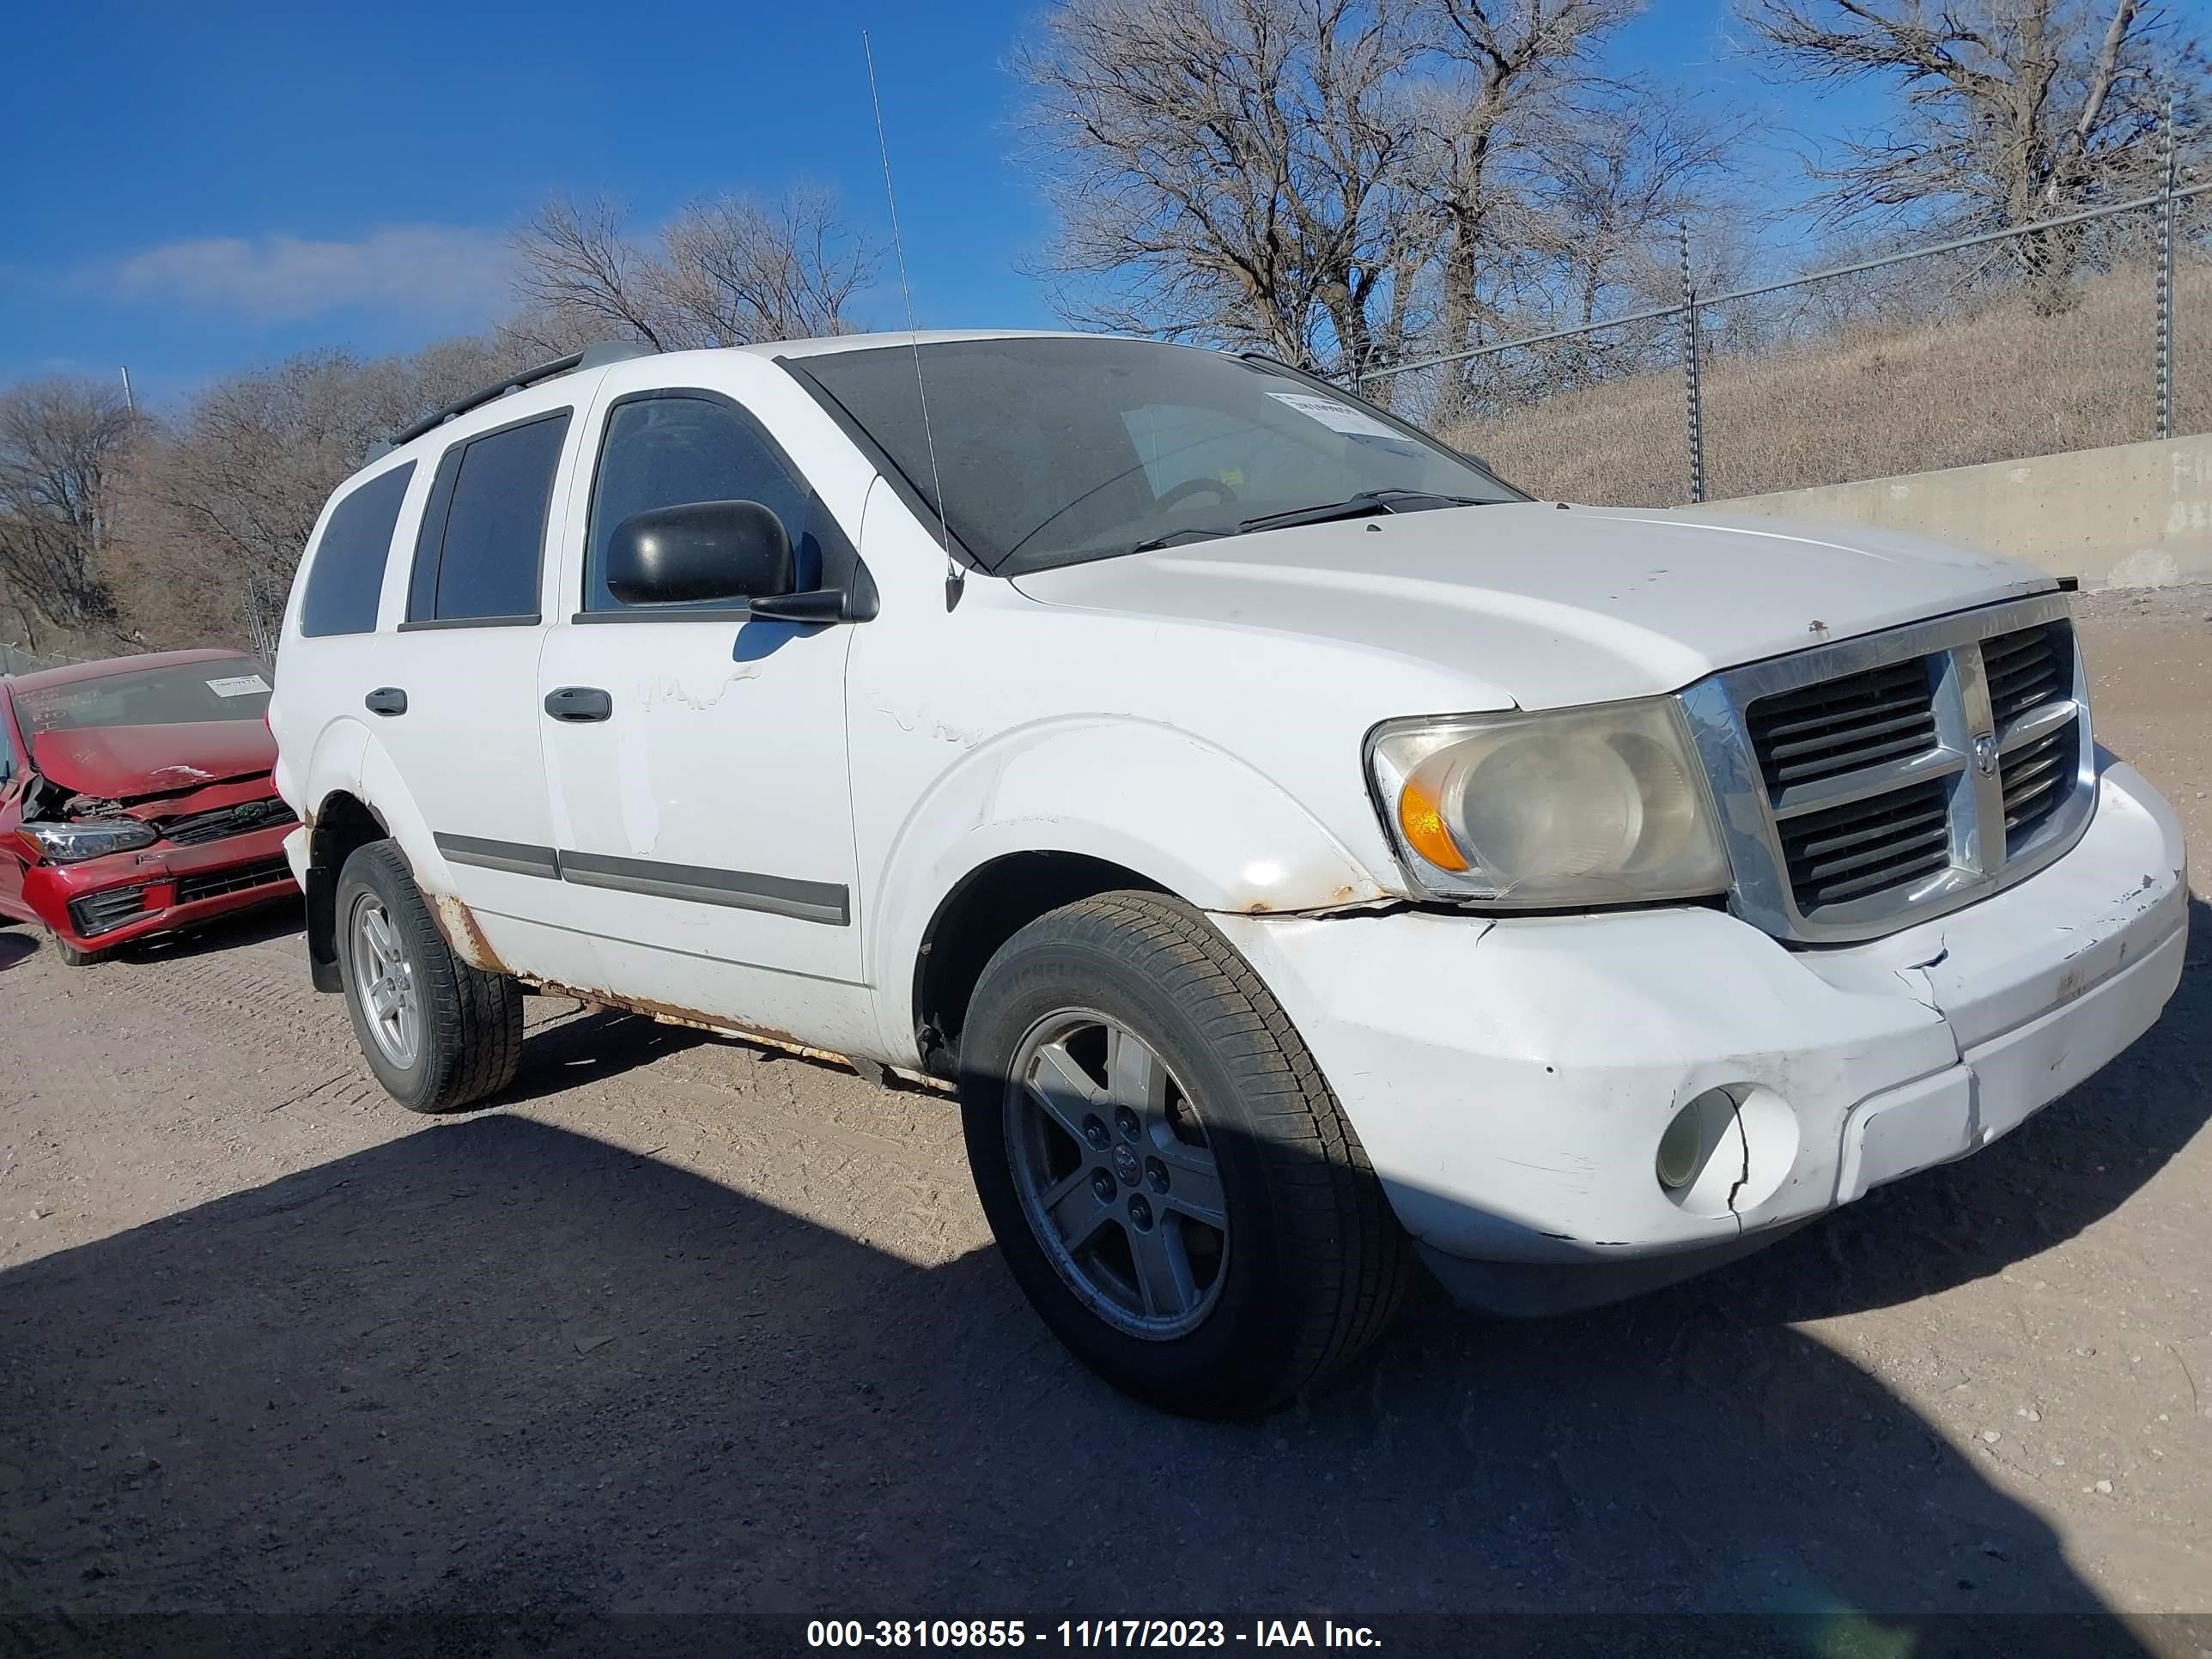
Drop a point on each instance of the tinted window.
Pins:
(1053, 451)
(484, 531)
(664, 451)
(347, 577)
(225, 689)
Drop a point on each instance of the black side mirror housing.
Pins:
(697, 551)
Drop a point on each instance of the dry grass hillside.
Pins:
(1866, 402)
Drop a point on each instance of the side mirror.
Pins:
(1469, 454)
(699, 550)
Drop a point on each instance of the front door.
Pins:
(697, 756)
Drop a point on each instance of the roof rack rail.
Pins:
(592, 357)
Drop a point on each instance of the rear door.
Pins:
(455, 705)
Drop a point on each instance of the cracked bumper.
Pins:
(1511, 1080)
(99, 903)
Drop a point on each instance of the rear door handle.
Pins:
(578, 703)
(386, 700)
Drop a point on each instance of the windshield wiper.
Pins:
(1365, 503)
(1178, 538)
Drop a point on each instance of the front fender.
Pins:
(1184, 814)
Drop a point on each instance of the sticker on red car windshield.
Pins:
(239, 685)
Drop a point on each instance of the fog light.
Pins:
(1690, 1138)
(1678, 1149)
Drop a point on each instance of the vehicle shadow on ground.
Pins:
(264, 922)
(588, 1046)
(15, 945)
(498, 1365)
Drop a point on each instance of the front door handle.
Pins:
(386, 700)
(578, 703)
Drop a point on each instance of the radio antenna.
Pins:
(955, 574)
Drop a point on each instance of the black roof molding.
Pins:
(592, 357)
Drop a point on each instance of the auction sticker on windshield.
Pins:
(1338, 417)
(238, 685)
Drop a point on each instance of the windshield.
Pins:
(220, 688)
(1055, 451)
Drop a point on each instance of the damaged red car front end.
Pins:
(138, 799)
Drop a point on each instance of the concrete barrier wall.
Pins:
(2134, 515)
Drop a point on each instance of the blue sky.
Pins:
(217, 187)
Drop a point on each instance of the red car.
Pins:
(135, 797)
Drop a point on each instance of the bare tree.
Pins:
(1339, 181)
(2008, 110)
(1232, 170)
(582, 279)
(728, 270)
(1616, 180)
(1506, 74)
(60, 442)
(216, 509)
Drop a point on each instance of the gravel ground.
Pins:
(685, 1325)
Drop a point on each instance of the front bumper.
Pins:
(102, 902)
(1511, 1079)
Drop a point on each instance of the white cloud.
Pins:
(443, 271)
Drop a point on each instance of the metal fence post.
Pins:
(1690, 354)
(2166, 178)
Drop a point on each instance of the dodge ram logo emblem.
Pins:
(1985, 754)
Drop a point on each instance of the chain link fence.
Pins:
(16, 660)
(2074, 332)
(1607, 403)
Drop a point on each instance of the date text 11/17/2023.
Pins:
(1085, 1633)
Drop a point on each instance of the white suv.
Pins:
(1302, 849)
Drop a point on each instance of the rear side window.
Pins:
(664, 450)
(484, 531)
(347, 577)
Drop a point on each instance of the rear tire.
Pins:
(438, 1034)
(1231, 1118)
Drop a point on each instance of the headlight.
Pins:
(1580, 806)
(71, 843)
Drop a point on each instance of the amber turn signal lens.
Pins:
(1423, 821)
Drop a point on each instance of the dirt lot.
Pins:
(683, 1325)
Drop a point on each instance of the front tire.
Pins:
(71, 955)
(439, 1035)
(1169, 1176)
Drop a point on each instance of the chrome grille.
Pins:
(1865, 785)
(2028, 669)
(1864, 847)
(2034, 777)
(225, 822)
(1842, 725)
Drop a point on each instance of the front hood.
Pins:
(125, 763)
(1554, 606)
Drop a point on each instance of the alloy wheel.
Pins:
(1116, 1176)
(385, 979)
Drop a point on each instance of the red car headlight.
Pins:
(72, 843)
